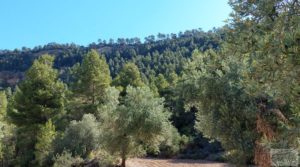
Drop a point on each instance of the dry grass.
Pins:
(149, 162)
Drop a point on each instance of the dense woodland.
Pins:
(231, 94)
(161, 54)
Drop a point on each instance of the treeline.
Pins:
(244, 94)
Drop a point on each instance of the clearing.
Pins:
(150, 162)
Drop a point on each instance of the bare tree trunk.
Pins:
(123, 163)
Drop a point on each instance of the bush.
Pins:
(103, 158)
(171, 145)
(81, 137)
(66, 160)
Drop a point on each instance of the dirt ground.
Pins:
(149, 162)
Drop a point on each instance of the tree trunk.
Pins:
(123, 164)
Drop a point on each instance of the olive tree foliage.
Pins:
(80, 137)
(255, 73)
(109, 106)
(266, 35)
(171, 144)
(212, 84)
(136, 125)
(65, 159)
(85, 139)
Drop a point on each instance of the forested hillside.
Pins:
(231, 95)
(164, 53)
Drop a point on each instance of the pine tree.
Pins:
(7, 141)
(93, 77)
(3, 106)
(39, 98)
(161, 83)
(129, 75)
(44, 146)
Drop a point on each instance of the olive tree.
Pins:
(136, 125)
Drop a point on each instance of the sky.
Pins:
(37, 22)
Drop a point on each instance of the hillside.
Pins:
(162, 54)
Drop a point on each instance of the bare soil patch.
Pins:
(150, 162)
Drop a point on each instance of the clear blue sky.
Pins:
(38, 22)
